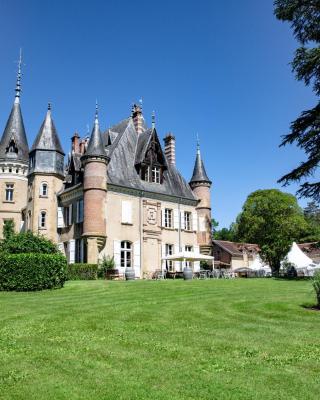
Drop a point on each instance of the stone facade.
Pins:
(119, 195)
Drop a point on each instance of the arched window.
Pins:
(44, 189)
(126, 254)
(42, 219)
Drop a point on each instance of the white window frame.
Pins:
(168, 218)
(187, 248)
(169, 252)
(9, 191)
(155, 175)
(126, 254)
(44, 184)
(43, 219)
(187, 221)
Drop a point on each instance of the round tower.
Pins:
(95, 162)
(45, 180)
(200, 185)
(14, 159)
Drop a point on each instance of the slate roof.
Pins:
(234, 248)
(96, 145)
(199, 171)
(47, 138)
(15, 130)
(126, 150)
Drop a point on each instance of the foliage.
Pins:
(316, 286)
(312, 216)
(27, 243)
(264, 345)
(80, 271)
(289, 269)
(8, 228)
(304, 17)
(107, 263)
(214, 225)
(273, 220)
(229, 234)
(26, 272)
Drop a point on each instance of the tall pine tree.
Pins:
(304, 17)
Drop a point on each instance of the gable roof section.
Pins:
(126, 149)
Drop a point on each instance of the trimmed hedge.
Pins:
(33, 271)
(27, 243)
(80, 271)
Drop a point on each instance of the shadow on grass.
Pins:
(310, 307)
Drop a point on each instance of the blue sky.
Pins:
(217, 68)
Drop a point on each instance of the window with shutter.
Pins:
(72, 251)
(60, 223)
(176, 218)
(126, 212)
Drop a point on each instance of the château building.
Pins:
(118, 194)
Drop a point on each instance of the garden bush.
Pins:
(33, 271)
(106, 264)
(80, 271)
(27, 243)
(316, 286)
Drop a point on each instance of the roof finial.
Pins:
(18, 84)
(153, 119)
(141, 102)
(96, 120)
(49, 106)
(198, 144)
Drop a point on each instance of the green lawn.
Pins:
(218, 339)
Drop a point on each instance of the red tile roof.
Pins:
(235, 248)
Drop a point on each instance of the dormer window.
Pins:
(151, 174)
(12, 148)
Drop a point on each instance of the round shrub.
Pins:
(27, 243)
(26, 272)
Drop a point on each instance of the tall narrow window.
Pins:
(44, 190)
(169, 252)
(9, 192)
(126, 254)
(42, 219)
(168, 218)
(187, 221)
(188, 263)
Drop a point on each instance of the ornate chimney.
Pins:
(170, 148)
(75, 143)
(137, 117)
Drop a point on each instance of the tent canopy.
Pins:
(297, 257)
(188, 256)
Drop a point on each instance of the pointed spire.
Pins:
(47, 138)
(199, 173)
(13, 143)
(95, 146)
(18, 84)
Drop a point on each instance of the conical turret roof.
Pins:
(199, 171)
(95, 146)
(14, 144)
(47, 138)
